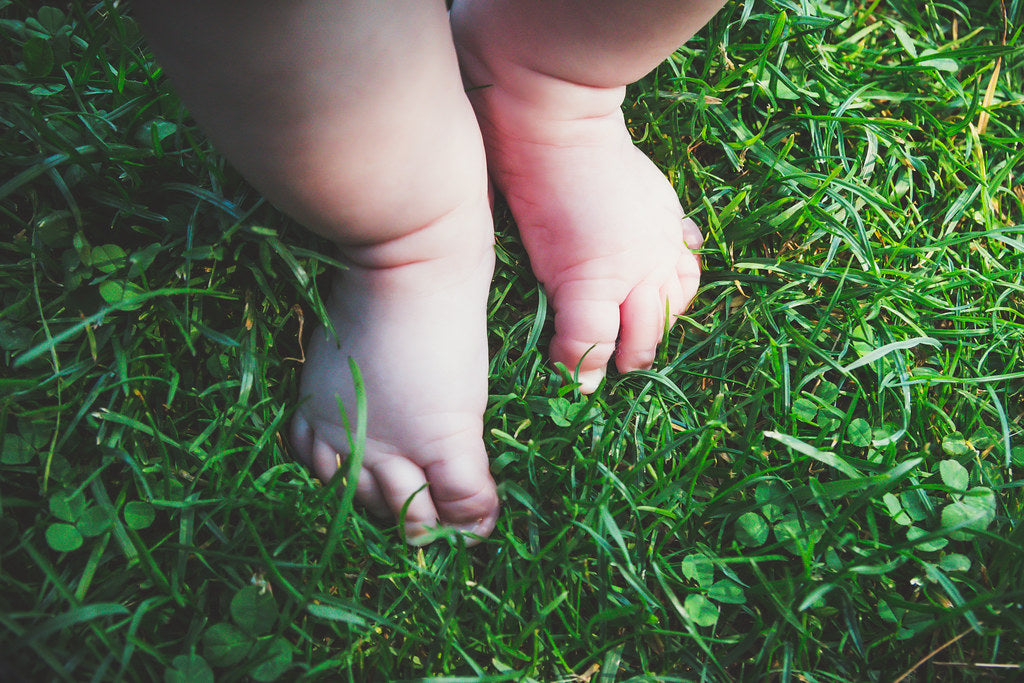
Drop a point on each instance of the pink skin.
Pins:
(603, 226)
(605, 232)
(323, 109)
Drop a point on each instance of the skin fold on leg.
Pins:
(351, 116)
(603, 227)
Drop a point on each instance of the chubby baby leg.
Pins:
(351, 116)
(602, 225)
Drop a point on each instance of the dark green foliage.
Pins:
(818, 481)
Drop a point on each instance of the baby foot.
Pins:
(604, 229)
(417, 330)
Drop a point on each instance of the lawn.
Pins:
(820, 480)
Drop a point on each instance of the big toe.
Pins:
(464, 493)
(453, 490)
(643, 316)
(586, 328)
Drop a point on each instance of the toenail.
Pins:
(420, 539)
(472, 528)
(590, 380)
(474, 533)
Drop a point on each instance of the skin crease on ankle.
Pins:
(319, 105)
(604, 229)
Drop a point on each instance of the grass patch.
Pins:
(820, 480)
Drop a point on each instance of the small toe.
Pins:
(301, 439)
(404, 485)
(324, 459)
(643, 325)
(692, 236)
(370, 495)
(688, 272)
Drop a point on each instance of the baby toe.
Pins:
(370, 495)
(301, 439)
(403, 486)
(692, 236)
(688, 273)
(643, 325)
(324, 459)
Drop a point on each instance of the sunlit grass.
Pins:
(819, 480)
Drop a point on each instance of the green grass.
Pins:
(820, 480)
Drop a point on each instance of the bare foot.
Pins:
(417, 329)
(602, 225)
